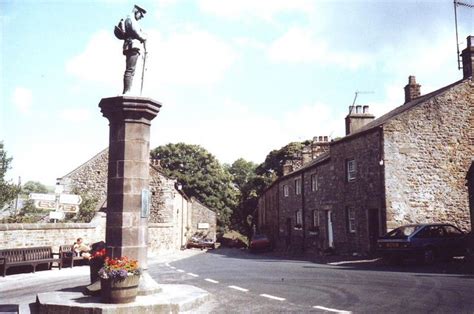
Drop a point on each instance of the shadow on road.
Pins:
(454, 267)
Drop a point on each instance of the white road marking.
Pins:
(272, 297)
(167, 264)
(172, 267)
(238, 288)
(331, 310)
(354, 262)
(194, 275)
(181, 271)
(211, 280)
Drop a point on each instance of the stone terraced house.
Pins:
(411, 165)
(174, 217)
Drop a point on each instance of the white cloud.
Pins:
(75, 115)
(313, 120)
(22, 98)
(191, 57)
(264, 10)
(101, 61)
(301, 45)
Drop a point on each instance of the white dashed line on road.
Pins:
(180, 270)
(211, 280)
(272, 297)
(354, 262)
(239, 288)
(194, 275)
(331, 310)
(172, 267)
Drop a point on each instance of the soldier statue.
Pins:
(133, 38)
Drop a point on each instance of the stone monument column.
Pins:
(128, 196)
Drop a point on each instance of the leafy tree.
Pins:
(87, 208)
(277, 158)
(201, 176)
(246, 180)
(33, 187)
(8, 190)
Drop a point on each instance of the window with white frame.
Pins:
(351, 170)
(298, 186)
(299, 218)
(315, 218)
(314, 182)
(351, 220)
(286, 190)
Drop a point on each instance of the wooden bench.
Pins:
(68, 255)
(32, 256)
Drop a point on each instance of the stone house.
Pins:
(411, 165)
(174, 217)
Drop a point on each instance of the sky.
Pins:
(240, 78)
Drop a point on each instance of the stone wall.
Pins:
(201, 214)
(90, 177)
(290, 234)
(363, 195)
(428, 151)
(161, 236)
(51, 234)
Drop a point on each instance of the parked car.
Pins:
(426, 242)
(260, 242)
(201, 243)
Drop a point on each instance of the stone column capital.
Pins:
(130, 109)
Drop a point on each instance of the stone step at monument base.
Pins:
(171, 299)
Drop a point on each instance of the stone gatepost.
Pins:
(128, 178)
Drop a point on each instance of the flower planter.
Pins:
(95, 266)
(119, 291)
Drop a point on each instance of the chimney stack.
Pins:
(412, 90)
(358, 117)
(468, 58)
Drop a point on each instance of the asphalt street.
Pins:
(241, 282)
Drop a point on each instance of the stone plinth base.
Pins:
(171, 299)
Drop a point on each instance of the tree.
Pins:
(33, 187)
(246, 180)
(201, 176)
(277, 158)
(8, 190)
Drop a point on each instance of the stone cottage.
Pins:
(411, 165)
(174, 217)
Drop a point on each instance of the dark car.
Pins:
(260, 242)
(201, 243)
(426, 242)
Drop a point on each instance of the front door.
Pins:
(288, 231)
(329, 229)
(374, 227)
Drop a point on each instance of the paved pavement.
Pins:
(20, 290)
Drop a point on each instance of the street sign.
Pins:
(45, 204)
(42, 197)
(70, 199)
(203, 225)
(56, 215)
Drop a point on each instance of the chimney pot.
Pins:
(358, 109)
(365, 109)
(412, 89)
(468, 58)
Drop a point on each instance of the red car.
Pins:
(260, 242)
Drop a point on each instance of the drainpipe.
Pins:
(303, 211)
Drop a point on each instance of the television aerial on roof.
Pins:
(462, 4)
(355, 98)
